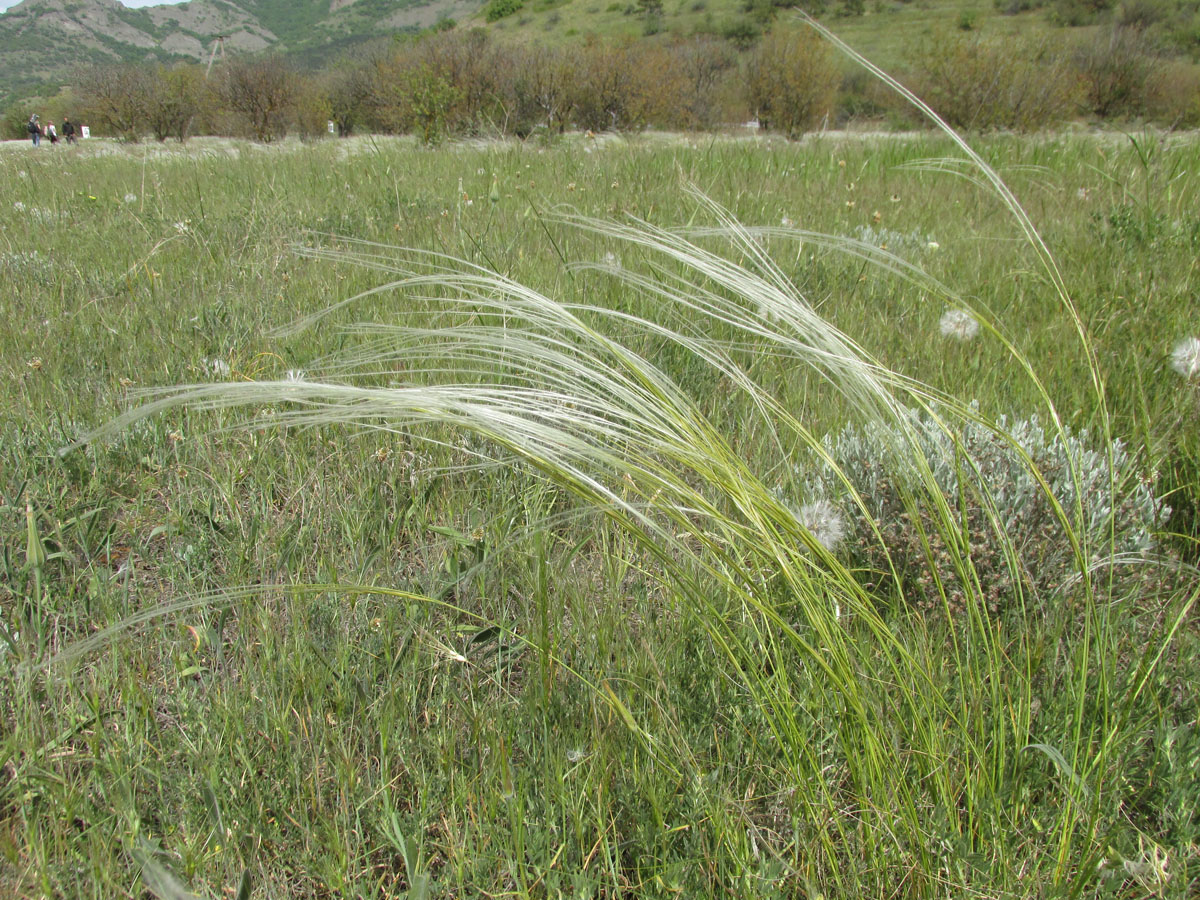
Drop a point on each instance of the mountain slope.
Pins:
(44, 40)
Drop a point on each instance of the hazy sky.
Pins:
(5, 4)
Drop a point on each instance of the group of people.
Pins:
(37, 131)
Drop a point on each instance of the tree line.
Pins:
(463, 83)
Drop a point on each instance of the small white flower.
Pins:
(786, 222)
(22, 174)
(216, 367)
(182, 227)
(822, 520)
(18, 206)
(958, 324)
(1185, 358)
(131, 198)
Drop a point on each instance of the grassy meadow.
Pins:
(563, 640)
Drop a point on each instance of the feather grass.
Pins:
(560, 387)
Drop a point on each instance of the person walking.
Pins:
(35, 129)
(51, 133)
(68, 131)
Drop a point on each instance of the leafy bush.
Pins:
(1074, 13)
(792, 81)
(1115, 70)
(499, 9)
(1014, 540)
(261, 94)
(1173, 95)
(983, 84)
(609, 90)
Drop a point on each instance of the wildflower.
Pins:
(786, 222)
(183, 227)
(822, 520)
(1082, 193)
(933, 245)
(131, 198)
(216, 367)
(22, 174)
(958, 324)
(1185, 358)
(18, 206)
(849, 204)
(570, 185)
(877, 217)
(895, 198)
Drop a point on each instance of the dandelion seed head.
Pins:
(1185, 358)
(958, 324)
(823, 521)
(218, 368)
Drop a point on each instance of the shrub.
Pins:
(1173, 95)
(986, 475)
(116, 99)
(1074, 13)
(260, 93)
(175, 98)
(609, 92)
(537, 93)
(499, 9)
(742, 31)
(792, 81)
(984, 84)
(1115, 71)
(442, 84)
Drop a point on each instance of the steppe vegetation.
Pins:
(846, 552)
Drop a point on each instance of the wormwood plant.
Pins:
(1008, 482)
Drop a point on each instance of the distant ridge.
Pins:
(45, 40)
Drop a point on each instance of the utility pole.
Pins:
(218, 44)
